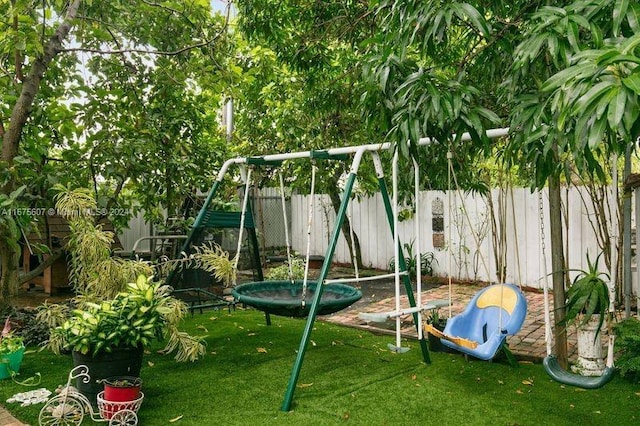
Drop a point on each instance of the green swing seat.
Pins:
(284, 298)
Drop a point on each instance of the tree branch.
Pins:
(151, 52)
(22, 108)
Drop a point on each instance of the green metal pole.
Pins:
(196, 225)
(406, 280)
(295, 373)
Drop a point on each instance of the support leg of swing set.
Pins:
(197, 224)
(295, 372)
(513, 362)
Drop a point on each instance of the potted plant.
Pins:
(586, 306)
(109, 336)
(118, 309)
(120, 393)
(439, 323)
(11, 351)
(122, 388)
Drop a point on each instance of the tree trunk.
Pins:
(9, 258)
(557, 266)
(346, 224)
(9, 261)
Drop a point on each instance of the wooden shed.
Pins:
(53, 232)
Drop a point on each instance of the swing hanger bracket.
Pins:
(323, 154)
(261, 161)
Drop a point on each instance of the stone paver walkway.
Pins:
(6, 419)
(529, 344)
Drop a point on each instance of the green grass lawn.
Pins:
(348, 376)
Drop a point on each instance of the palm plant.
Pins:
(588, 295)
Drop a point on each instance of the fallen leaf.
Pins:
(150, 363)
(313, 343)
(175, 419)
(251, 334)
(304, 385)
(203, 328)
(262, 350)
(519, 392)
(572, 406)
(213, 318)
(527, 382)
(414, 377)
(345, 416)
(213, 353)
(500, 382)
(597, 412)
(638, 393)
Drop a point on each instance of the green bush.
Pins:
(281, 272)
(628, 348)
(427, 261)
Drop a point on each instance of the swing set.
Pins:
(480, 331)
(305, 298)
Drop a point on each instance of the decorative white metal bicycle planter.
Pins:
(70, 406)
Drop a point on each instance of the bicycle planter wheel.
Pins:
(61, 410)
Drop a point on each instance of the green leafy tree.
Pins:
(302, 85)
(564, 77)
(118, 96)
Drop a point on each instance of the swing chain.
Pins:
(541, 212)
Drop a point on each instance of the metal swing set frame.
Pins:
(401, 275)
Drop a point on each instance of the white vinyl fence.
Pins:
(462, 237)
(466, 241)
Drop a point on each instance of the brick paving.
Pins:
(527, 345)
(6, 419)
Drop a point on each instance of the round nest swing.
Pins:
(284, 298)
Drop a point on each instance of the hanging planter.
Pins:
(122, 388)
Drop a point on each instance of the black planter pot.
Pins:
(119, 362)
(435, 345)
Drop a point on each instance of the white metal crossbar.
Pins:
(383, 316)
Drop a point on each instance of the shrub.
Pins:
(628, 348)
(282, 272)
(427, 261)
(25, 325)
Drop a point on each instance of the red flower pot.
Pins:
(122, 388)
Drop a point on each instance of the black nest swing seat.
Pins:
(284, 298)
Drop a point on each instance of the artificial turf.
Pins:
(348, 376)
